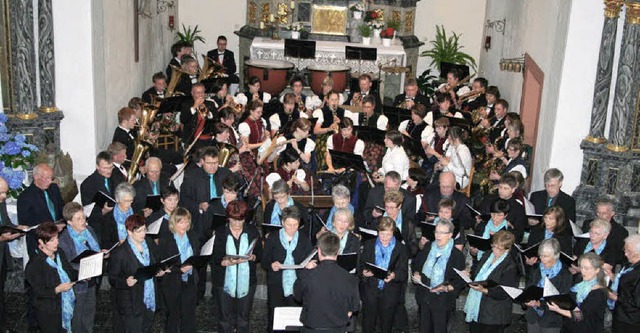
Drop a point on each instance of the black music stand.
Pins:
(347, 161)
(445, 67)
(361, 54)
(369, 134)
(463, 123)
(395, 115)
(413, 147)
(299, 49)
(172, 104)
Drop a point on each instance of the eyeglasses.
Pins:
(442, 232)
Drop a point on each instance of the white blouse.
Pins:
(395, 159)
(460, 161)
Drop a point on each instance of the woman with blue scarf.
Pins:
(499, 210)
(114, 222)
(433, 267)
(179, 286)
(597, 243)
(393, 201)
(341, 197)
(281, 194)
(170, 197)
(488, 310)
(539, 318)
(76, 238)
(135, 300)
(342, 224)
(288, 246)
(50, 275)
(381, 298)
(553, 226)
(590, 295)
(234, 280)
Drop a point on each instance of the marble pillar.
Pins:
(46, 57)
(23, 62)
(605, 70)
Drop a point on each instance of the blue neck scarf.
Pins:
(472, 307)
(490, 229)
(275, 214)
(80, 240)
(288, 275)
(120, 217)
(184, 247)
(333, 211)
(550, 272)
(68, 297)
(383, 256)
(589, 247)
(616, 284)
(343, 240)
(436, 264)
(583, 289)
(144, 258)
(398, 220)
(548, 234)
(224, 202)
(236, 278)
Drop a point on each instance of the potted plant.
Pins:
(296, 28)
(447, 49)
(375, 19)
(365, 31)
(357, 10)
(190, 36)
(386, 35)
(395, 25)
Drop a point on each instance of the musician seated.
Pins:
(298, 140)
(228, 117)
(157, 91)
(330, 115)
(492, 95)
(475, 98)
(118, 153)
(190, 76)
(253, 131)
(364, 84)
(513, 161)
(178, 50)
(496, 124)
(221, 97)
(300, 99)
(416, 128)
(222, 133)
(196, 113)
(513, 130)
(345, 142)
(445, 109)
(368, 117)
(411, 96)
(327, 87)
(457, 158)
(453, 87)
(291, 111)
(438, 145)
(289, 171)
(395, 159)
(225, 57)
(125, 132)
(253, 92)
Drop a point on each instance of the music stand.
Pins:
(445, 67)
(360, 54)
(172, 104)
(414, 147)
(299, 49)
(347, 161)
(395, 115)
(369, 134)
(460, 122)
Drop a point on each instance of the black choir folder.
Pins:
(486, 283)
(100, 198)
(564, 301)
(147, 272)
(348, 261)
(482, 244)
(11, 229)
(530, 252)
(378, 272)
(153, 202)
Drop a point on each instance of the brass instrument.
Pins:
(301, 107)
(356, 100)
(447, 87)
(139, 151)
(225, 152)
(211, 69)
(405, 104)
(469, 96)
(141, 145)
(176, 75)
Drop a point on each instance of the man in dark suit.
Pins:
(4, 250)
(178, 50)
(364, 83)
(196, 113)
(496, 124)
(125, 132)
(516, 217)
(99, 180)
(605, 210)
(553, 196)
(392, 182)
(158, 89)
(411, 96)
(447, 190)
(224, 57)
(152, 184)
(121, 167)
(40, 202)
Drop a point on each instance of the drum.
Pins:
(317, 74)
(273, 74)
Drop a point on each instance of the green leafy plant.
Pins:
(425, 82)
(190, 35)
(394, 24)
(447, 49)
(365, 30)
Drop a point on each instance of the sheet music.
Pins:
(512, 292)
(549, 289)
(207, 248)
(88, 209)
(529, 208)
(90, 266)
(302, 264)
(577, 232)
(419, 282)
(368, 231)
(154, 228)
(463, 275)
(284, 317)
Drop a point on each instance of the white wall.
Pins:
(466, 17)
(213, 18)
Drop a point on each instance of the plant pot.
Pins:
(386, 41)
(357, 15)
(295, 34)
(376, 33)
(366, 40)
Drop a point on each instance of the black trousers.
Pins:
(476, 327)
(378, 308)
(138, 324)
(234, 313)
(620, 327)
(435, 316)
(181, 307)
(275, 298)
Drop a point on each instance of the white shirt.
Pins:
(519, 168)
(381, 124)
(308, 147)
(245, 130)
(395, 159)
(122, 169)
(463, 89)
(460, 161)
(358, 149)
(318, 114)
(429, 117)
(427, 132)
(274, 120)
(241, 97)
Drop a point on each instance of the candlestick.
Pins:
(293, 4)
(261, 25)
(271, 18)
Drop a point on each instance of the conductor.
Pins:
(329, 294)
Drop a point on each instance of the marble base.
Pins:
(42, 131)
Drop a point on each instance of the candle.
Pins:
(293, 4)
(261, 25)
(271, 18)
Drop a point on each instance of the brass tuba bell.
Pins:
(224, 153)
(141, 146)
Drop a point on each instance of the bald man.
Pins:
(40, 202)
(447, 190)
(152, 184)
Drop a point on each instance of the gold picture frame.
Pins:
(329, 20)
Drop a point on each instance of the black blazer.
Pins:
(399, 264)
(126, 138)
(447, 299)
(461, 213)
(33, 209)
(143, 189)
(375, 197)
(171, 283)
(516, 216)
(273, 251)
(123, 264)
(220, 251)
(43, 280)
(147, 95)
(169, 70)
(419, 99)
(4, 247)
(592, 308)
(628, 304)
(616, 238)
(495, 307)
(562, 282)
(229, 62)
(540, 199)
(189, 120)
(109, 229)
(376, 96)
(565, 238)
(89, 187)
(67, 246)
(268, 210)
(352, 245)
(609, 254)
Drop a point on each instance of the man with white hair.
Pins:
(552, 195)
(605, 210)
(624, 297)
(151, 184)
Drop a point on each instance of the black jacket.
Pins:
(89, 187)
(143, 189)
(615, 240)
(399, 264)
(461, 213)
(126, 138)
(220, 251)
(609, 254)
(592, 308)
(628, 304)
(516, 216)
(562, 282)
(447, 299)
(540, 200)
(67, 246)
(123, 264)
(147, 95)
(171, 283)
(273, 251)
(228, 62)
(33, 209)
(419, 99)
(536, 235)
(268, 210)
(189, 120)
(495, 307)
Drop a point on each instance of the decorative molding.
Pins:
(46, 57)
(632, 12)
(612, 8)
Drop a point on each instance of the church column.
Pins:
(46, 57)
(23, 58)
(626, 94)
(605, 69)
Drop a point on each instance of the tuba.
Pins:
(141, 145)
(210, 69)
(176, 75)
(224, 153)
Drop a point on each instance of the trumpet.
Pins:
(301, 107)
